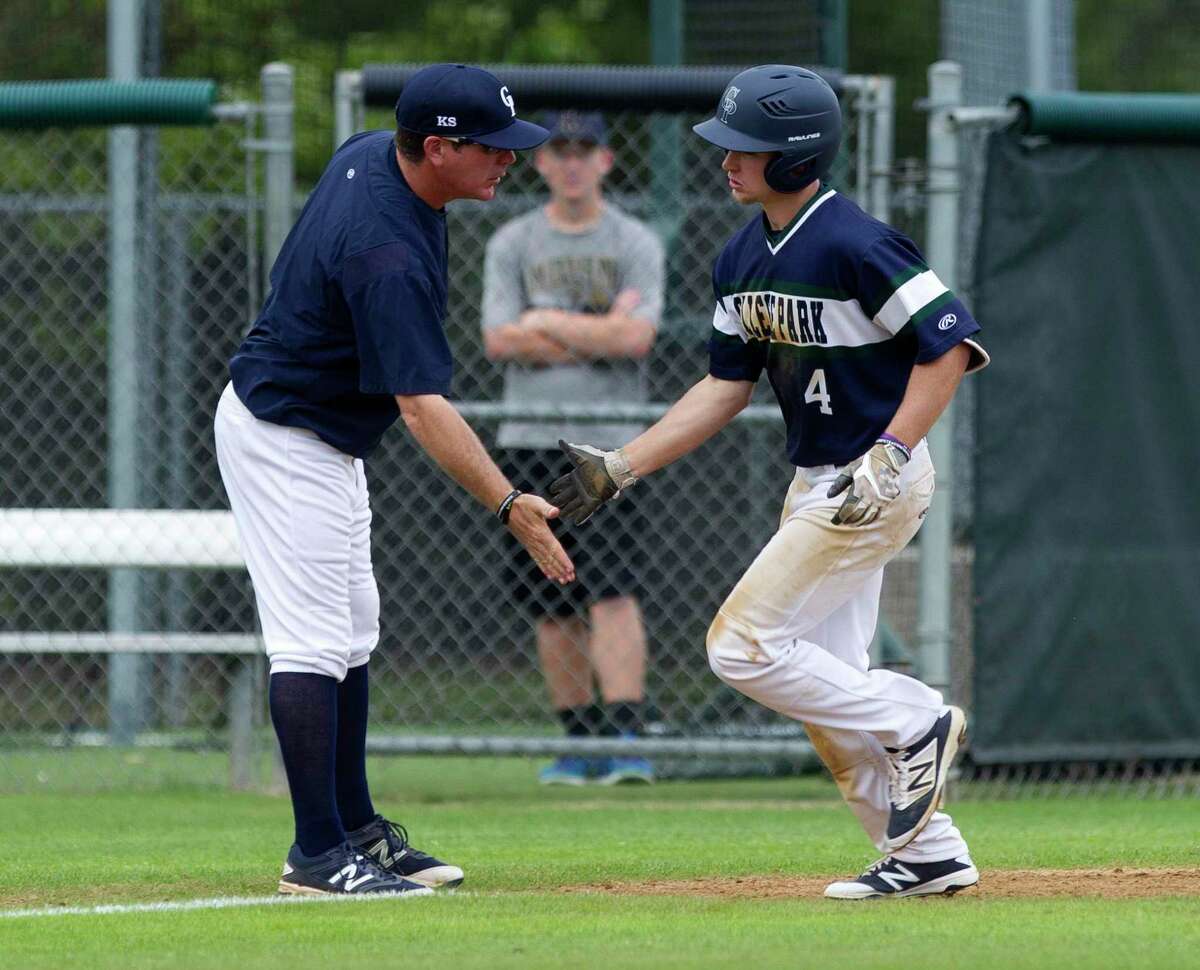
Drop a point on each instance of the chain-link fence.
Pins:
(82, 665)
(130, 268)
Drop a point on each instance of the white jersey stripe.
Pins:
(843, 322)
(914, 295)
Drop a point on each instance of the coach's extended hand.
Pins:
(588, 485)
(873, 481)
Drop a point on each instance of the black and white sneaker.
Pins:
(918, 777)
(387, 845)
(890, 878)
(339, 871)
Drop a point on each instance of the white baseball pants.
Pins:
(794, 635)
(304, 522)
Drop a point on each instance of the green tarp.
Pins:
(1087, 519)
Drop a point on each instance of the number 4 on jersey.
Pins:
(817, 393)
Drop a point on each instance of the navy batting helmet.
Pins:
(779, 108)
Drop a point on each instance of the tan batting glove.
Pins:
(873, 482)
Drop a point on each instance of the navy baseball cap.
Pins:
(582, 126)
(458, 101)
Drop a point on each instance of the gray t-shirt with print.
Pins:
(532, 265)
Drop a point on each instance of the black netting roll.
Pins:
(597, 87)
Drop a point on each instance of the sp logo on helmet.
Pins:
(948, 321)
(728, 104)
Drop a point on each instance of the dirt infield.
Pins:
(996, 884)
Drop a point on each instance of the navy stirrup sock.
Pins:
(304, 710)
(350, 767)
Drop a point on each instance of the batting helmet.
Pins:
(779, 108)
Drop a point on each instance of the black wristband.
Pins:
(505, 509)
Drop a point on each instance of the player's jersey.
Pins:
(837, 307)
(358, 296)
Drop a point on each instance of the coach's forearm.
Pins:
(930, 390)
(693, 419)
(449, 440)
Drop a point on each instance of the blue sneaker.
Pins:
(615, 771)
(567, 770)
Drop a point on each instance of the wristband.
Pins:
(892, 439)
(505, 509)
(616, 463)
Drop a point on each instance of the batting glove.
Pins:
(596, 476)
(873, 482)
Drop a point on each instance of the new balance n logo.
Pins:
(899, 876)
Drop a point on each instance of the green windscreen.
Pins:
(1087, 520)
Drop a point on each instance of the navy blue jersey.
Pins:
(358, 296)
(837, 307)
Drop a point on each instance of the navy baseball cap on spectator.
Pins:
(581, 126)
(458, 101)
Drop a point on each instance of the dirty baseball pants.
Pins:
(794, 635)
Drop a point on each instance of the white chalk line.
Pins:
(220, 902)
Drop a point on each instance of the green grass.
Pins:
(522, 845)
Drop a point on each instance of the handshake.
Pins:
(595, 477)
(870, 483)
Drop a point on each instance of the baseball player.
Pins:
(350, 339)
(864, 348)
(571, 300)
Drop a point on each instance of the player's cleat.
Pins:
(890, 878)
(616, 771)
(387, 845)
(566, 771)
(918, 777)
(339, 871)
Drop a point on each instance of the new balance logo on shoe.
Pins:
(899, 876)
(380, 851)
(353, 879)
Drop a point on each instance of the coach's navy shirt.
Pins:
(358, 296)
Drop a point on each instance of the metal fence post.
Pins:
(126, 672)
(883, 125)
(347, 93)
(937, 535)
(277, 106)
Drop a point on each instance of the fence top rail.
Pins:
(81, 103)
(103, 538)
(592, 86)
(1110, 116)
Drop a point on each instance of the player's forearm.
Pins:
(514, 342)
(693, 419)
(600, 335)
(930, 390)
(441, 431)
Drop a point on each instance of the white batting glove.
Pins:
(873, 482)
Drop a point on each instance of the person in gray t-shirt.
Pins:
(573, 292)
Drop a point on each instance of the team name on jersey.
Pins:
(780, 318)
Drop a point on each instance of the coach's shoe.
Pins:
(567, 771)
(387, 845)
(890, 878)
(339, 871)
(615, 771)
(918, 777)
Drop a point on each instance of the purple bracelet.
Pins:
(892, 439)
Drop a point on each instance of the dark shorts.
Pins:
(607, 550)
